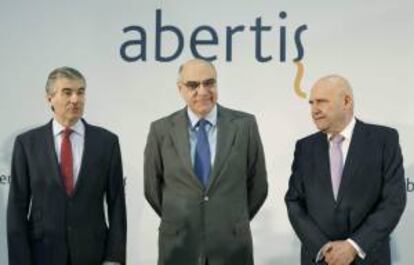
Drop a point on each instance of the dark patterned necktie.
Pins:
(202, 158)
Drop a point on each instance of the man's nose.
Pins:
(314, 109)
(74, 98)
(202, 89)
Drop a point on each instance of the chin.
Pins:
(74, 117)
(321, 128)
(204, 110)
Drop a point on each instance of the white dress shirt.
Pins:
(77, 139)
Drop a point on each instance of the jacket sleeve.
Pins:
(153, 171)
(257, 176)
(115, 197)
(18, 208)
(386, 215)
(306, 229)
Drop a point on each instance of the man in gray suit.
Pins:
(347, 189)
(62, 173)
(204, 175)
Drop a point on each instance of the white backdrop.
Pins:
(370, 42)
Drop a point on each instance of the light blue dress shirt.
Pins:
(211, 130)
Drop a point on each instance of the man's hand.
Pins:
(339, 253)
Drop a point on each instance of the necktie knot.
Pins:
(337, 139)
(201, 124)
(67, 132)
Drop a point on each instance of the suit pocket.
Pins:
(36, 225)
(169, 228)
(173, 247)
(241, 251)
(36, 233)
(242, 228)
(101, 233)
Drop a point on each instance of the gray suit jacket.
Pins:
(212, 223)
(44, 224)
(371, 196)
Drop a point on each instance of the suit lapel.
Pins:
(321, 156)
(180, 138)
(355, 155)
(86, 156)
(226, 132)
(51, 156)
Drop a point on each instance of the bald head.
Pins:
(332, 103)
(336, 83)
(194, 63)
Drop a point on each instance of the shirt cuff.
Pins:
(111, 263)
(319, 256)
(359, 250)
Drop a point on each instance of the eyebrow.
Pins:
(204, 80)
(73, 89)
(318, 100)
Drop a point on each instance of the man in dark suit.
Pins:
(346, 192)
(205, 176)
(61, 174)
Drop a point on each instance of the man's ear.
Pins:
(49, 100)
(348, 100)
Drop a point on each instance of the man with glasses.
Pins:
(205, 175)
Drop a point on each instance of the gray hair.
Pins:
(195, 60)
(63, 72)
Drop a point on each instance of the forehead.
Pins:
(197, 71)
(323, 91)
(63, 82)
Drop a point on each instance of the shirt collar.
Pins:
(347, 131)
(211, 117)
(78, 128)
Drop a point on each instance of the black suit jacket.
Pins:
(371, 196)
(44, 225)
(212, 223)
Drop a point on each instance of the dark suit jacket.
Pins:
(44, 224)
(371, 196)
(212, 223)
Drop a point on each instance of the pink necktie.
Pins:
(66, 161)
(336, 160)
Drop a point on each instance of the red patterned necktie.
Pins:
(66, 161)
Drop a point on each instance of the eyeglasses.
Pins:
(193, 85)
